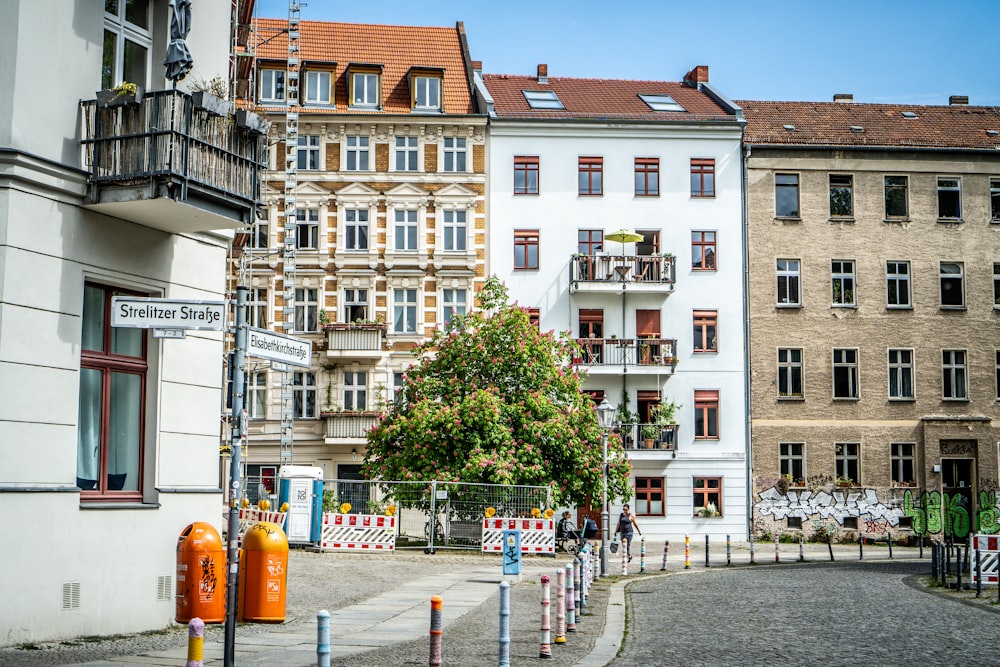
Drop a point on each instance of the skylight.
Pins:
(909, 114)
(789, 127)
(661, 103)
(542, 99)
(857, 128)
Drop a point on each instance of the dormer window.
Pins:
(365, 89)
(319, 85)
(661, 102)
(425, 89)
(272, 85)
(543, 99)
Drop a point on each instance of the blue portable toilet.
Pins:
(302, 488)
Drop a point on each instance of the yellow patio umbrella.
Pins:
(623, 236)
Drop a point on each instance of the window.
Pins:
(256, 403)
(364, 89)
(792, 461)
(455, 230)
(845, 373)
(901, 374)
(542, 99)
(647, 177)
(953, 375)
(896, 206)
(842, 277)
(127, 42)
(706, 329)
(589, 241)
(789, 372)
(952, 288)
(525, 249)
(526, 175)
(272, 85)
(703, 251)
(708, 493)
(427, 92)
(897, 285)
(789, 283)
(661, 103)
(996, 354)
(702, 177)
(406, 153)
(113, 365)
(404, 311)
(304, 395)
(535, 317)
(307, 229)
(902, 463)
(706, 414)
(995, 199)
(357, 153)
(591, 176)
(455, 154)
(847, 461)
(841, 195)
(306, 309)
(257, 307)
(786, 195)
(949, 191)
(996, 284)
(453, 302)
(317, 87)
(355, 305)
(398, 382)
(308, 152)
(405, 231)
(356, 228)
(259, 236)
(649, 496)
(355, 391)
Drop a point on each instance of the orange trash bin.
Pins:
(201, 575)
(263, 574)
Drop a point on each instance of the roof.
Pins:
(875, 125)
(397, 48)
(600, 99)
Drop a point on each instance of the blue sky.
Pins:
(883, 51)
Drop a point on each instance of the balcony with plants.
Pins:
(643, 356)
(612, 273)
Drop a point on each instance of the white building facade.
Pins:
(109, 438)
(659, 320)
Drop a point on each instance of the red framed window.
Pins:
(525, 249)
(702, 177)
(647, 177)
(707, 495)
(589, 241)
(703, 251)
(591, 176)
(706, 414)
(526, 174)
(112, 416)
(706, 330)
(535, 317)
(649, 496)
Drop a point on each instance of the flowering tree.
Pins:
(492, 400)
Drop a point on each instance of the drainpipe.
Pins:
(746, 332)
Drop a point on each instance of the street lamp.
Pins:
(605, 418)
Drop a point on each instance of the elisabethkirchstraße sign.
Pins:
(146, 313)
(277, 347)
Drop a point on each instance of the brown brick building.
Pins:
(874, 287)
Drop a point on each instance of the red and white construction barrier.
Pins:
(358, 532)
(251, 515)
(989, 555)
(538, 536)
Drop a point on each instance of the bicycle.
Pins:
(438, 535)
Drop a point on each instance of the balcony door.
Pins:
(592, 334)
(647, 334)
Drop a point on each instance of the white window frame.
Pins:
(453, 302)
(787, 368)
(900, 365)
(901, 453)
(358, 149)
(995, 200)
(355, 391)
(787, 274)
(902, 282)
(841, 361)
(996, 285)
(790, 454)
(307, 225)
(406, 154)
(847, 455)
(123, 31)
(403, 307)
(369, 87)
(353, 299)
(269, 84)
(256, 403)
(307, 302)
(422, 85)
(842, 275)
(308, 156)
(949, 184)
(304, 395)
(455, 225)
(356, 225)
(958, 276)
(318, 86)
(455, 150)
(257, 307)
(406, 229)
(955, 373)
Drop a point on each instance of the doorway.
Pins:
(956, 481)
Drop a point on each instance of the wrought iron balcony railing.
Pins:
(650, 352)
(649, 436)
(657, 271)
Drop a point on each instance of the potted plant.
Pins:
(649, 433)
(122, 94)
(210, 96)
(783, 483)
(665, 415)
(844, 481)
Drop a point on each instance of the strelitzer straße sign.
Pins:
(143, 313)
(276, 347)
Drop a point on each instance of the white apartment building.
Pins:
(109, 437)
(571, 161)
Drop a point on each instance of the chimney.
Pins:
(477, 66)
(543, 73)
(959, 100)
(697, 75)
(843, 97)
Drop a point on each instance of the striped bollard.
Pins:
(436, 632)
(777, 554)
(560, 606)
(625, 557)
(323, 638)
(570, 599)
(642, 555)
(504, 654)
(584, 579)
(196, 642)
(578, 584)
(729, 551)
(545, 652)
(687, 551)
(666, 550)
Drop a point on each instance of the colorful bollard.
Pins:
(570, 599)
(729, 551)
(435, 659)
(777, 554)
(503, 659)
(545, 651)
(560, 606)
(687, 551)
(666, 550)
(323, 638)
(196, 642)
(642, 555)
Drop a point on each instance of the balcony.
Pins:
(163, 163)
(614, 356)
(664, 440)
(354, 340)
(351, 427)
(613, 273)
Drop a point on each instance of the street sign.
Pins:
(278, 347)
(145, 313)
(169, 333)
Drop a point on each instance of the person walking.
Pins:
(626, 520)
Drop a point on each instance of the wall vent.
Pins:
(71, 595)
(164, 587)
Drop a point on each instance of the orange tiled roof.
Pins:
(600, 98)
(829, 123)
(396, 48)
